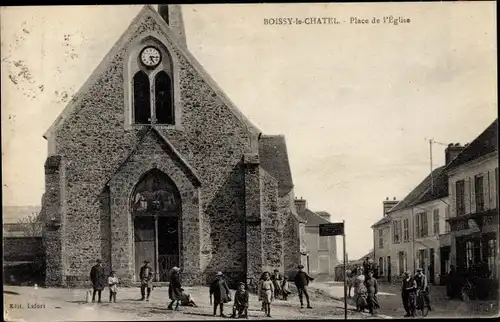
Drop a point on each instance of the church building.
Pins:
(152, 161)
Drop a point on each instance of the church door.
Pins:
(156, 209)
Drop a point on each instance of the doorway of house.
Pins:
(431, 266)
(389, 269)
(156, 210)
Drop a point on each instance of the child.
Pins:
(187, 300)
(285, 287)
(240, 302)
(113, 286)
(267, 293)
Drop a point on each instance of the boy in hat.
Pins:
(146, 276)
(113, 286)
(285, 288)
(241, 301)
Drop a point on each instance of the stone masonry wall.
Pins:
(55, 220)
(291, 235)
(254, 246)
(94, 141)
(272, 226)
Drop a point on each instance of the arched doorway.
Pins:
(156, 210)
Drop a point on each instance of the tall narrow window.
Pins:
(406, 235)
(460, 197)
(436, 221)
(163, 99)
(380, 238)
(479, 190)
(142, 107)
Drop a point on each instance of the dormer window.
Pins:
(152, 93)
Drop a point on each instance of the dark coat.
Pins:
(220, 291)
(302, 279)
(98, 277)
(175, 288)
(241, 298)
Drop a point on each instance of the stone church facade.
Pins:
(152, 161)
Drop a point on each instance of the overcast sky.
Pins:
(355, 102)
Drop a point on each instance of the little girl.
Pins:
(285, 287)
(266, 291)
(113, 286)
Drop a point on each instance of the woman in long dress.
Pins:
(372, 290)
(266, 291)
(359, 290)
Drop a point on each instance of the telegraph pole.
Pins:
(432, 179)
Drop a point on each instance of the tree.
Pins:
(31, 225)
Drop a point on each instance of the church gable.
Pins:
(97, 130)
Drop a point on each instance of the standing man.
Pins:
(98, 279)
(146, 276)
(408, 290)
(302, 280)
(423, 286)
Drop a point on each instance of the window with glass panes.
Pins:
(436, 221)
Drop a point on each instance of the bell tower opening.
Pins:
(156, 211)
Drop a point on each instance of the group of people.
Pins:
(100, 281)
(411, 288)
(270, 287)
(365, 289)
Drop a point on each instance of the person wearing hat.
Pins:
(220, 292)
(408, 294)
(241, 301)
(302, 280)
(175, 291)
(423, 286)
(276, 278)
(113, 286)
(98, 279)
(146, 276)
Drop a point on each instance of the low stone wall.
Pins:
(24, 261)
(21, 249)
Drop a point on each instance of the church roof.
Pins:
(485, 143)
(313, 219)
(146, 12)
(273, 157)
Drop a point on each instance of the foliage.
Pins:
(31, 225)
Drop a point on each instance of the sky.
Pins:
(357, 103)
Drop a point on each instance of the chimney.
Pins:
(389, 204)
(452, 151)
(300, 205)
(172, 15)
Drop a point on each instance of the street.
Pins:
(390, 302)
(59, 304)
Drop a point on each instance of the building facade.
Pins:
(473, 189)
(321, 250)
(415, 229)
(152, 161)
(382, 241)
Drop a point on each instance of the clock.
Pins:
(150, 56)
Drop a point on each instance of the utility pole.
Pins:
(432, 179)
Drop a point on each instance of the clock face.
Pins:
(150, 56)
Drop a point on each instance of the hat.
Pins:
(218, 274)
(146, 262)
(241, 283)
(276, 270)
(98, 260)
(419, 269)
(175, 268)
(300, 266)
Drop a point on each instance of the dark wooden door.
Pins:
(431, 266)
(144, 242)
(168, 245)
